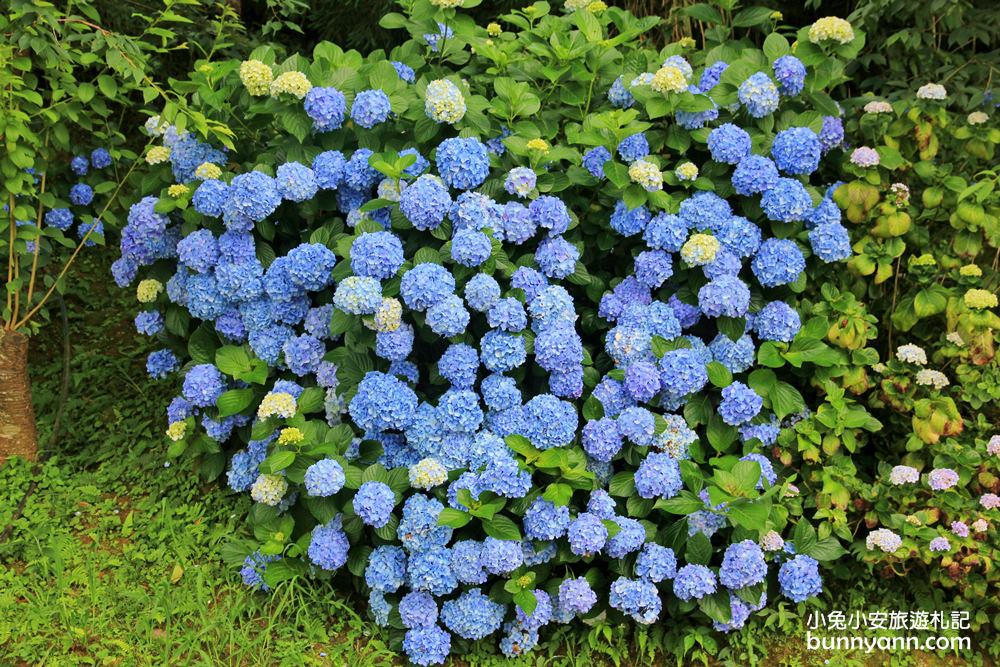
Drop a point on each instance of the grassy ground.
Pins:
(109, 557)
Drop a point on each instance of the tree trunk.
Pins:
(17, 416)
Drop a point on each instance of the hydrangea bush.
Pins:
(506, 357)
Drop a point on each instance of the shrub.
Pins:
(488, 346)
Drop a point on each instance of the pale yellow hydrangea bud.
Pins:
(539, 145)
(269, 489)
(177, 190)
(290, 436)
(280, 404)
(831, 28)
(177, 430)
(700, 249)
(687, 171)
(148, 290)
(669, 79)
(427, 473)
(291, 83)
(980, 299)
(256, 77)
(646, 174)
(157, 155)
(207, 171)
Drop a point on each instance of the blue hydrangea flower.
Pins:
(464, 163)
(796, 151)
(296, 182)
(324, 478)
(831, 134)
(252, 197)
(777, 321)
(501, 557)
(430, 570)
(737, 356)
(629, 222)
(426, 285)
(470, 247)
(203, 384)
(619, 96)
(759, 95)
(576, 596)
(778, 262)
(81, 194)
(328, 167)
(642, 381)
(326, 106)
(149, 322)
(370, 108)
(831, 242)
(594, 160)
(501, 351)
(428, 645)
(474, 210)
(520, 181)
(788, 201)
(693, 582)
(556, 257)
(743, 565)
(800, 579)
(448, 317)
(658, 476)
(418, 609)
(601, 439)
(377, 254)
(328, 546)
(653, 268)
(199, 250)
(80, 165)
(531, 281)
(790, 74)
(373, 502)
(59, 218)
(754, 174)
(637, 598)
(656, 563)
(253, 570)
(666, 232)
(382, 403)
(729, 143)
(482, 292)
(725, 296)
(472, 615)
(587, 534)
(739, 404)
(404, 71)
(683, 372)
(545, 520)
(161, 363)
(358, 295)
(628, 539)
(634, 147)
(500, 392)
(549, 422)
(425, 203)
(711, 75)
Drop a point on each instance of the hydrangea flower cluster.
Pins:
(400, 340)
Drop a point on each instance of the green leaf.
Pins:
(375, 473)
(776, 46)
(752, 16)
(749, 514)
(278, 461)
(804, 537)
(501, 527)
(311, 400)
(747, 474)
(526, 599)
(699, 549)
(622, 484)
(719, 375)
(732, 327)
(558, 494)
(717, 606)
(453, 518)
(827, 549)
(234, 401)
(786, 400)
(684, 503)
(232, 360)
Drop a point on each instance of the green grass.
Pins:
(115, 559)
